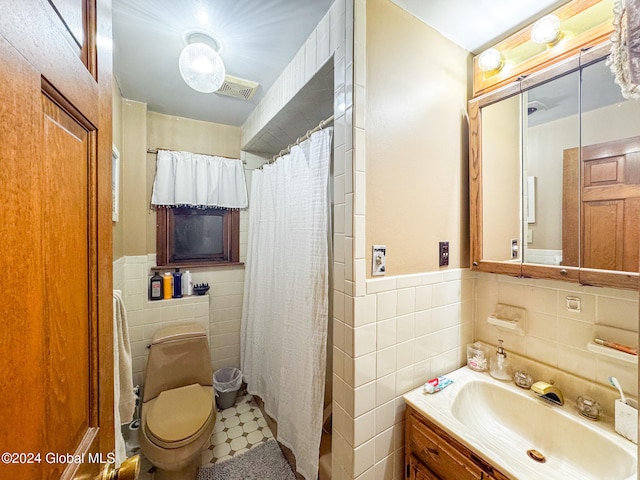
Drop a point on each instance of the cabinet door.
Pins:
(445, 461)
(417, 471)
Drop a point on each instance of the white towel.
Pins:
(122, 361)
(121, 448)
(625, 47)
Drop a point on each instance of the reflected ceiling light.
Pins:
(200, 65)
(490, 60)
(546, 30)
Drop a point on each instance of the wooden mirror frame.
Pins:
(608, 278)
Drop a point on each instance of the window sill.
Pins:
(189, 265)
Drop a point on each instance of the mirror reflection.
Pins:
(561, 174)
(610, 166)
(501, 144)
(551, 128)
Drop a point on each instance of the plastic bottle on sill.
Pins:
(187, 283)
(177, 284)
(166, 282)
(156, 290)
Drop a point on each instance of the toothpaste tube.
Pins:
(436, 384)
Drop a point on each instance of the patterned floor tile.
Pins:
(237, 429)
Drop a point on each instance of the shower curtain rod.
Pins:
(320, 126)
(154, 151)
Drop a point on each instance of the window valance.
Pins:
(195, 180)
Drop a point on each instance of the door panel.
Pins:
(607, 203)
(21, 335)
(68, 314)
(610, 205)
(56, 387)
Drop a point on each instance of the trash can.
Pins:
(227, 382)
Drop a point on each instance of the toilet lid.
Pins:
(179, 413)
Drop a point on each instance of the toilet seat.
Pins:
(175, 416)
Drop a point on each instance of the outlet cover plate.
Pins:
(379, 260)
(443, 259)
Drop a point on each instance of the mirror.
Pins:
(555, 177)
(501, 144)
(551, 127)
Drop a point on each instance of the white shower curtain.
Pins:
(285, 307)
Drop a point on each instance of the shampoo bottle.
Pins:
(166, 280)
(177, 284)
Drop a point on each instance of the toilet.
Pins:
(178, 410)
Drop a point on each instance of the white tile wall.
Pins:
(555, 336)
(402, 349)
(146, 317)
(219, 312)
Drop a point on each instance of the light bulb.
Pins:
(490, 60)
(546, 30)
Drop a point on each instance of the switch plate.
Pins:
(443, 258)
(379, 260)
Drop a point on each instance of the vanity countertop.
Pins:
(501, 422)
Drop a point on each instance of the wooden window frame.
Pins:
(165, 227)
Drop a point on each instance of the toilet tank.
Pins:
(178, 356)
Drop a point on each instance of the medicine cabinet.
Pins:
(555, 175)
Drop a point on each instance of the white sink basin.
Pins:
(503, 423)
(522, 423)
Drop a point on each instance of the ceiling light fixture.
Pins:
(546, 30)
(200, 65)
(490, 60)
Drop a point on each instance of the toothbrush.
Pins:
(614, 381)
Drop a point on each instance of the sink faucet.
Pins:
(548, 392)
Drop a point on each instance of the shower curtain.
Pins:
(284, 314)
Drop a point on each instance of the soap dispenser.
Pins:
(500, 367)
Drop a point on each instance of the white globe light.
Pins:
(546, 30)
(201, 67)
(490, 60)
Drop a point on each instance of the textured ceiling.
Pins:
(258, 40)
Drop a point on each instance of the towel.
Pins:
(121, 447)
(625, 47)
(122, 360)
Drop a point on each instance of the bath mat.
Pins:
(263, 462)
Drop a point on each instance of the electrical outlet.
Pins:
(443, 254)
(379, 260)
(514, 248)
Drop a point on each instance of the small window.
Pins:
(194, 236)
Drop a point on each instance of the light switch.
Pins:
(379, 260)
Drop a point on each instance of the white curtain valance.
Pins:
(195, 180)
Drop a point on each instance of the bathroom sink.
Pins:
(524, 436)
(523, 423)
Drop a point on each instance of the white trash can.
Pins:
(227, 382)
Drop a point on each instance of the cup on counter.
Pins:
(477, 357)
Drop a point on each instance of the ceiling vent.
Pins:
(238, 88)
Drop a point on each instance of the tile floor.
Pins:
(237, 429)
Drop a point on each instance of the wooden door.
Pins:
(607, 204)
(56, 367)
(611, 205)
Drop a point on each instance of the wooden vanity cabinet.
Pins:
(432, 454)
